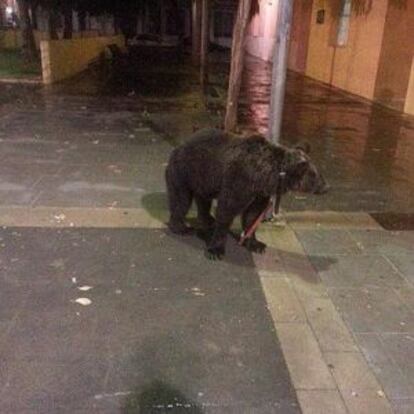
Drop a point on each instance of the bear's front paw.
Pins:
(181, 229)
(215, 253)
(255, 246)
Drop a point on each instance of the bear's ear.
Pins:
(304, 146)
(296, 161)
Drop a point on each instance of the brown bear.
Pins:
(241, 173)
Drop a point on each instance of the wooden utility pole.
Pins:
(205, 32)
(196, 23)
(237, 63)
(279, 70)
(29, 44)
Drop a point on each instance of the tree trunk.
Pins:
(279, 70)
(29, 44)
(237, 63)
(33, 14)
(204, 44)
(82, 20)
(117, 22)
(117, 29)
(196, 23)
(68, 21)
(53, 22)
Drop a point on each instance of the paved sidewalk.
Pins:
(367, 273)
(101, 309)
(322, 323)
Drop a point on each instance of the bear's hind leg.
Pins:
(249, 216)
(179, 199)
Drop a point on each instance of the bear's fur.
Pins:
(241, 173)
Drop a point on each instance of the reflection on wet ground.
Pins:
(364, 150)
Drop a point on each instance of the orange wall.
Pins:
(320, 54)
(396, 57)
(354, 66)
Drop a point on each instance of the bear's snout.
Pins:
(321, 186)
(322, 189)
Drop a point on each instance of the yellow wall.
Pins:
(12, 38)
(62, 59)
(396, 56)
(352, 67)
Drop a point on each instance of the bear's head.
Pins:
(301, 173)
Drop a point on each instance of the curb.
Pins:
(23, 81)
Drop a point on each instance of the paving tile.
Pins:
(142, 361)
(307, 287)
(384, 242)
(358, 271)
(325, 220)
(373, 310)
(328, 326)
(111, 154)
(367, 402)
(45, 385)
(318, 402)
(403, 406)
(30, 151)
(55, 191)
(406, 293)
(76, 217)
(165, 320)
(405, 264)
(269, 263)
(401, 349)
(303, 276)
(362, 221)
(351, 372)
(316, 220)
(283, 239)
(304, 358)
(397, 384)
(281, 299)
(280, 408)
(28, 170)
(13, 300)
(16, 188)
(327, 242)
(153, 173)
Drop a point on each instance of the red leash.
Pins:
(255, 225)
(274, 206)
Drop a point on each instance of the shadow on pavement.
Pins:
(156, 205)
(159, 397)
(163, 323)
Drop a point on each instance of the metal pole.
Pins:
(279, 70)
